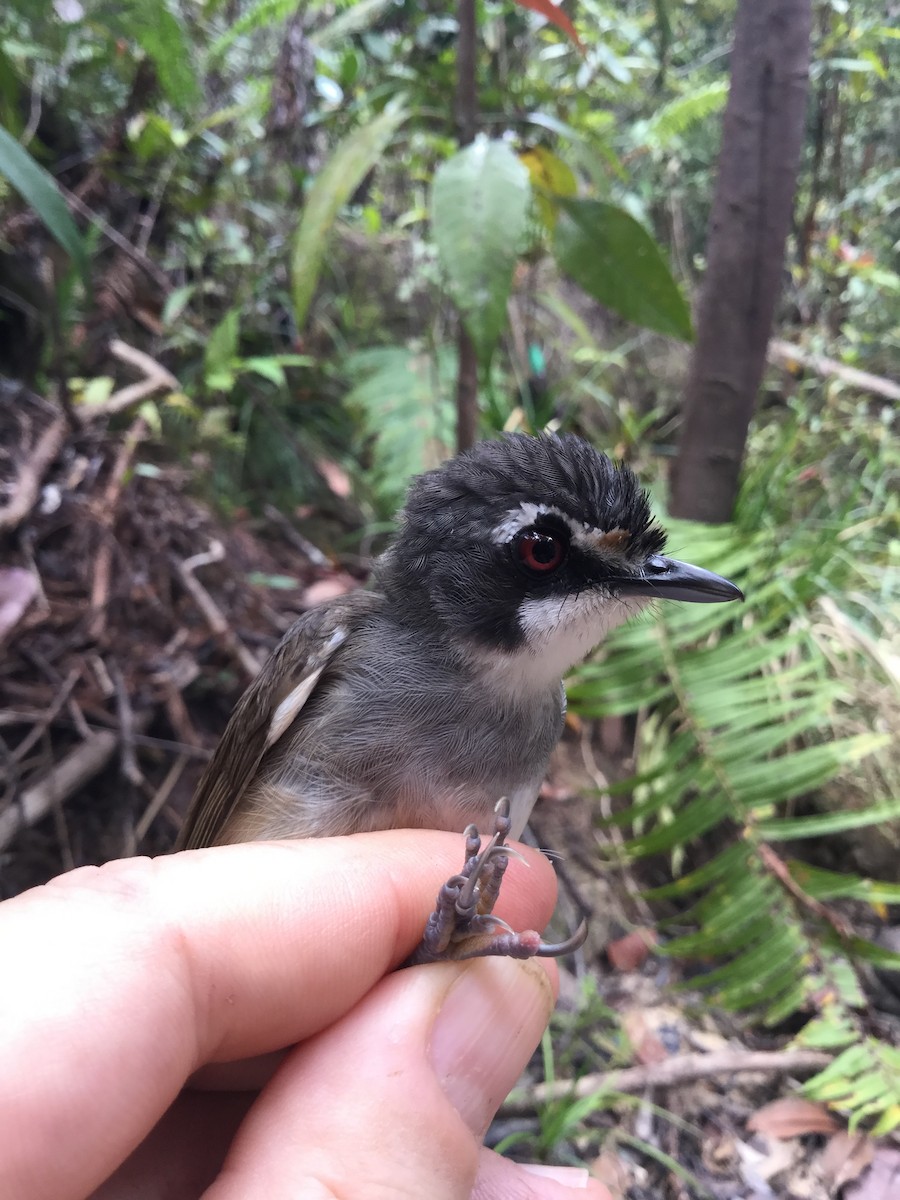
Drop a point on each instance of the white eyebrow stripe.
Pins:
(528, 512)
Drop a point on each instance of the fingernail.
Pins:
(488, 1026)
(570, 1177)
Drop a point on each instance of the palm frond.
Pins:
(743, 719)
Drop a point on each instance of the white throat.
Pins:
(558, 633)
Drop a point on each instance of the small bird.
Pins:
(425, 701)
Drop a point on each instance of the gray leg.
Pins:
(462, 924)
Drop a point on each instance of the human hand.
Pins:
(124, 981)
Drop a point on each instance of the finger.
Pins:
(395, 1100)
(501, 1179)
(184, 1152)
(121, 980)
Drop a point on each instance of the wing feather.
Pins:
(267, 709)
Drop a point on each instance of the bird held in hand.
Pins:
(424, 701)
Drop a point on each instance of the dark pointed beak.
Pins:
(669, 579)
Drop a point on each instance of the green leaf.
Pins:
(333, 187)
(276, 582)
(263, 14)
(163, 39)
(268, 367)
(352, 20)
(38, 189)
(479, 219)
(221, 351)
(405, 405)
(604, 250)
(676, 117)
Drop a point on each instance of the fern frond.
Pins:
(404, 402)
(677, 117)
(863, 1081)
(740, 730)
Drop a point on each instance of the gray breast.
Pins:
(402, 735)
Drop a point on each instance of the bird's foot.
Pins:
(463, 925)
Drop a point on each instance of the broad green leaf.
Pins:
(38, 189)
(221, 351)
(268, 367)
(333, 187)
(604, 250)
(478, 219)
(177, 302)
(550, 176)
(94, 391)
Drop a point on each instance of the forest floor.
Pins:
(131, 620)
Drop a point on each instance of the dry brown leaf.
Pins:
(845, 1157)
(18, 588)
(610, 1170)
(336, 477)
(328, 589)
(641, 1032)
(882, 1180)
(718, 1154)
(792, 1116)
(631, 951)
(759, 1166)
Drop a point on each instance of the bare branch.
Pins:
(685, 1068)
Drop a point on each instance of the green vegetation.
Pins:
(276, 205)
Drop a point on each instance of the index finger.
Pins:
(122, 980)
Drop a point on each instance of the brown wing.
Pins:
(268, 708)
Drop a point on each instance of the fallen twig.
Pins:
(70, 773)
(105, 519)
(304, 545)
(130, 768)
(65, 778)
(211, 612)
(684, 1068)
(46, 720)
(31, 474)
(156, 379)
(152, 811)
(159, 277)
(785, 353)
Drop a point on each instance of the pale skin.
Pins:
(272, 963)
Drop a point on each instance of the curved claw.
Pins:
(488, 923)
(502, 823)
(468, 894)
(557, 949)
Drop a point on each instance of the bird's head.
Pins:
(528, 550)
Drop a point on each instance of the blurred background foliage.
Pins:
(200, 133)
(274, 203)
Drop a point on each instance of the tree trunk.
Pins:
(757, 171)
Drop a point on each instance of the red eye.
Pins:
(541, 552)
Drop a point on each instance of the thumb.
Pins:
(394, 1100)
